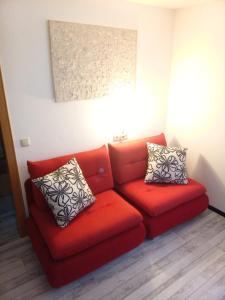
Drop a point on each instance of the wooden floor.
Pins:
(186, 263)
(8, 228)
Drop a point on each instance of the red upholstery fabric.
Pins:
(39, 198)
(63, 271)
(107, 217)
(129, 159)
(182, 213)
(95, 165)
(156, 199)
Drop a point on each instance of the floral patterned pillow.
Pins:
(66, 192)
(166, 164)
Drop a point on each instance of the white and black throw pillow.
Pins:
(166, 164)
(66, 192)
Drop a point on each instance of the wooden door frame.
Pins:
(11, 161)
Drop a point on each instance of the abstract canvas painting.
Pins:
(91, 61)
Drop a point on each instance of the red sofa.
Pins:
(163, 206)
(105, 230)
(111, 226)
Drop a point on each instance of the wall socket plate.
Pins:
(25, 142)
(120, 138)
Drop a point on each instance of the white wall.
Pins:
(60, 128)
(196, 116)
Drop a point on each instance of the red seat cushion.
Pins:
(95, 165)
(155, 199)
(107, 217)
(156, 225)
(129, 159)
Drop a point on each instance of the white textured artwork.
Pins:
(91, 61)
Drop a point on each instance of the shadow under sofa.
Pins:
(107, 229)
(162, 206)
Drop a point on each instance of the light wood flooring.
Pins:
(8, 228)
(187, 262)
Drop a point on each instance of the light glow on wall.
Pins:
(193, 88)
(114, 114)
(125, 111)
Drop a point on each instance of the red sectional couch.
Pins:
(105, 230)
(163, 206)
(111, 226)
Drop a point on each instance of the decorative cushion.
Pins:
(66, 192)
(166, 164)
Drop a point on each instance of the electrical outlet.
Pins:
(116, 138)
(120, 138)
(25, 142)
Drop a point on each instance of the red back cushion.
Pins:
(129, 160)
(95, 165)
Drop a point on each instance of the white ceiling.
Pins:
(172, 3)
